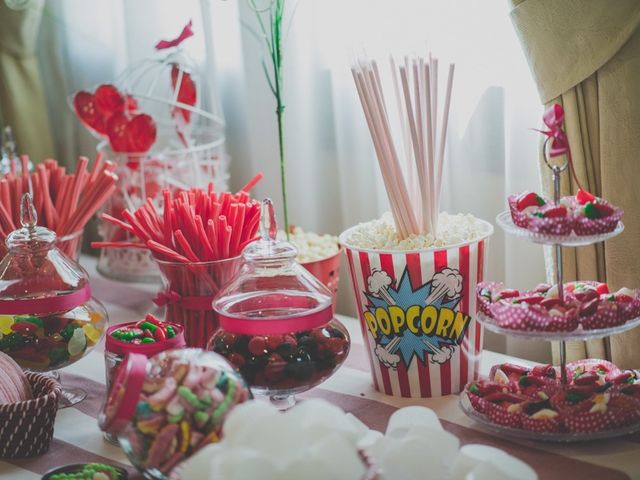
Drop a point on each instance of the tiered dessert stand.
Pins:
(557, 241)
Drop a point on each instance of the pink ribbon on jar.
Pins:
(46, 305)
(315, 316)
(171, 297)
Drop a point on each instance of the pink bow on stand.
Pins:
(553, 119)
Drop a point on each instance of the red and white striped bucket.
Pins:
(417, 311)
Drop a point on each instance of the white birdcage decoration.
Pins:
(188, 151)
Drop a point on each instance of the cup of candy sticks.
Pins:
(196, 242)
(64, 202)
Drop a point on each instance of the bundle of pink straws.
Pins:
(64, 202)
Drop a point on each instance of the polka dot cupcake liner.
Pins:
(501, 416)
(608, 314)
(631, 310)
(508, 315)
(590, 422)
(521, 219)
(541, 425)
(484, 303)
(551, 226)
(594, 226)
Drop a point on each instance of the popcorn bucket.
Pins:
(417, 311)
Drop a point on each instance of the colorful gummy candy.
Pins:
(283, 362)
(180, 410)
(149, 330)
(49, 342)
(89, 471)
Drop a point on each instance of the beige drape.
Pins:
(22, 101)
(585, 55)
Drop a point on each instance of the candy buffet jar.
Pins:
(48, 318)
(276, 321)
(165, 408)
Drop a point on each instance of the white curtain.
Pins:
(332, 174)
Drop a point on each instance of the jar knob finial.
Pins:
(268, 226)
(28, 215)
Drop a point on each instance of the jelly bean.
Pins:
(5, 323)
(92, 332)
(148, 326)
(257, 345)
(151, 319)
(147, 340)
(77, 343)
(189, 396)
(159, 335)
(185, 430)
(31, 319)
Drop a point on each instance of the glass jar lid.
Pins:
(34, 272)
(272, 293)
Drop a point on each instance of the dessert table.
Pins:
(77, 438)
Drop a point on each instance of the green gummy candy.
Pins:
(34, 320)
(189, 396)
(147, 340)
(175, 418)
(201, 417)
(590, 211)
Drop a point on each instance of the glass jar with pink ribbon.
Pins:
(276, 321)
(48, 318)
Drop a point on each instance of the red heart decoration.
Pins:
(131, 136)
(142, 133)
(117, 132)
(187, 91)
(84, 104)
(109, 100)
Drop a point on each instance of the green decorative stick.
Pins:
(273, 39)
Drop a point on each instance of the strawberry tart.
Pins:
(582, 214)
(586, 306)
(598, 397)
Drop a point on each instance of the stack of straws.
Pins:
(414, 195)
(64, 202)
(196, 241)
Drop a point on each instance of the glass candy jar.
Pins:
(48, 318)
(163, 409)
(276, 321)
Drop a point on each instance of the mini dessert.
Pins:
(584, 214)
(165, 408)
(593, 215)
(599, 396)
(587, 305)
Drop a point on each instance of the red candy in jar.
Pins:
(276, 321)
(165, 408)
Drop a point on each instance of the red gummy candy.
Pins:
(602, 288)
(257, 346)
(555, 212)
(529, 199)
(274, 341)
(583, 197)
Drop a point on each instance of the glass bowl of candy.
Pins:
(276, 321)
(165, 408)
(48, 318)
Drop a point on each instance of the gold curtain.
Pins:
(22, 101)
(585, 55)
